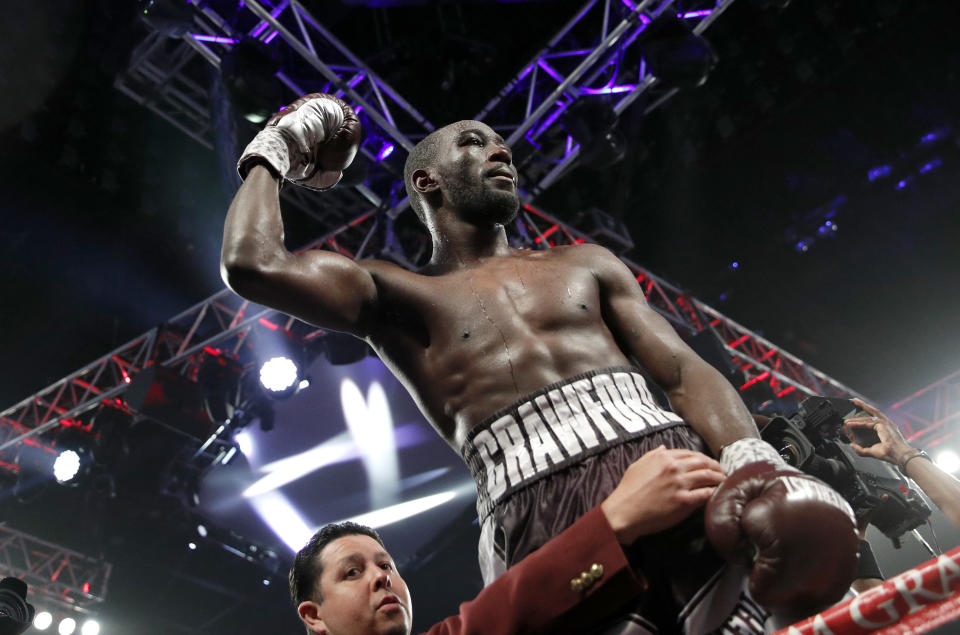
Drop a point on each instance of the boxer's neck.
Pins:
(458, 243)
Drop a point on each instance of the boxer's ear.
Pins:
(423, 181)
(310, 615)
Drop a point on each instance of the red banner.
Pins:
(915, 601)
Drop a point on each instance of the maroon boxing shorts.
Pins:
(543, 462)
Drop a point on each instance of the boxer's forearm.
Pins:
(707, 401)
(253, 231)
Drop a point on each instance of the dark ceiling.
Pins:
(112, 217)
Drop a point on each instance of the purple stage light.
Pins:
(385, 151)
(932, 165)
(901, 184)
(695, 14)
(270, 37)
(609, 90)
(550, 71)
(878, 173)
(356, 80)
(264, 25)
(216, 39)
(802, 246)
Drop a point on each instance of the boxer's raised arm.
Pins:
(697, 392)
(321, 287)
(309, 143)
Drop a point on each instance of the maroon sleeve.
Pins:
(537, 591)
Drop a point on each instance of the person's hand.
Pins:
(660, 489)
(892, 448)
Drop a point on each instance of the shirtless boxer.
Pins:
(520, 359)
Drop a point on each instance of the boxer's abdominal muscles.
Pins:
(503, 338)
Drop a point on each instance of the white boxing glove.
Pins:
(310, 142)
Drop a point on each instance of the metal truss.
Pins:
(172, 78)
(931, 415)
(594, 56)
(225, 322)
(56, 575)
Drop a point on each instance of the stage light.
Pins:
(593, 124)
(304, 383)
(948, 461)
(676, 55)
(90, 627)
(385, 150)
(244, 442)
(67, 626)
(202, 531)
(43, 620)
(395, 513)
(266, 582)
(232, 452)
(192, 546)
(278, 374)
(371, 425)
(282, 518)
(66, 466)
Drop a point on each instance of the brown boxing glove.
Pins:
(795, 534)
(310, 142)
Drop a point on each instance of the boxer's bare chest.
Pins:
(470, 341)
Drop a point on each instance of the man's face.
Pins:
(477, 174)
(362, 592)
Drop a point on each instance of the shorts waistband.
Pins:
(558, 426)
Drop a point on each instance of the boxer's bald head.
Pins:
(452, 165)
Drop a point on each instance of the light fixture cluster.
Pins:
(44, 621)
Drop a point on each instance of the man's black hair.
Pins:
(307, 567)
(423, 156)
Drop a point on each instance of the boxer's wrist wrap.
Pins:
(269, 145)
(867, 566)
(749, 450)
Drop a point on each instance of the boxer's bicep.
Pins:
(319, 287)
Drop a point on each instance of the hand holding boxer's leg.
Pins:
(659, 490)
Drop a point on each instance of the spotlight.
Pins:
(192, 546)
(385, 150)
(74, 459)
(675, 55)
(66, 466)
(282, 360)
(42, 621)
(279, 374)
(67, 626)
(244, 442)
(90, 627)
(202, 531)
(948, 461)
